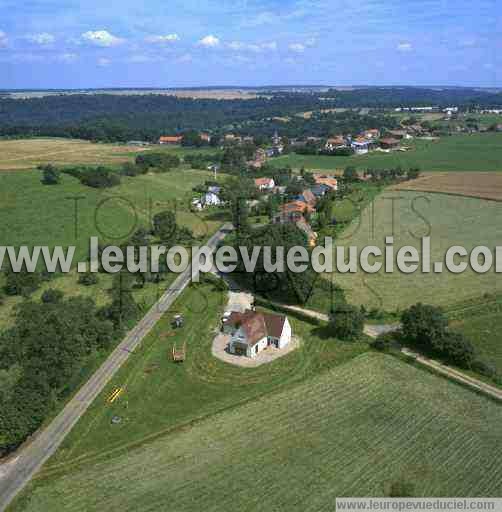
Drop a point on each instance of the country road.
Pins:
(17, 473)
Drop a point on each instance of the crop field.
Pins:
(408, 216)
(28, 153)
(482, 185)
(353, 431)
(476, 153)
(481, 322)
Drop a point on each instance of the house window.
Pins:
(256, 349)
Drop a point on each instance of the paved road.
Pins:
(16, 474)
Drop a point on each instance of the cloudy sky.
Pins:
(176, 43)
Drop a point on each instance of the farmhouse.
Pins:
(389, 143)
(252, 332)
(170, 139)
(264, 183)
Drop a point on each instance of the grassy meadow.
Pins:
(408, 216)
(161, 395)
(478, 152)
(353, 431)
(35, 214)
(481, 322)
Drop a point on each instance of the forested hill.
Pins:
(393, 97)
(143, 117)
(108, 117)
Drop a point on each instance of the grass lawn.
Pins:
(408, 216)
(478, 152)
(352, 431)
(160, 395)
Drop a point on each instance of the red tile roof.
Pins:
(257, 325)
(169, 138)
(263, 182)
(296, 206)
(326, 180)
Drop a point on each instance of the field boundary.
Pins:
(455, 375)
(440, 192)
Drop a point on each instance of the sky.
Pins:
(187, 43)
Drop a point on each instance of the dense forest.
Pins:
(108, 117)
(393, 97)
(144, 117)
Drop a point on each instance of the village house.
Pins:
(232, 138)
(252, 332)
(307, 197)
(389, 143)
(205, 137)
(335, 142)
(372, 134)
(329, 181)
(360, 146)
(320, 191)
(171, 139)
(399, 134)
(264, 183)
(210, 198)
(259, 159)
(292, 212)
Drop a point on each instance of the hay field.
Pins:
(408, 216)
(28, 153)
(483, 185)
(353, 431)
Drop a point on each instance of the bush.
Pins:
(52, 296)
(346, 322)
(101, 177)
(50, 175)
(21, 283)
(422, 324)
(488, 370)
(384, 341)
(454, 347)
(88, 279)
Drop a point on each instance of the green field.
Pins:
(481, 322)
(453, 221)
(161, 395)
(353, 431)
(36, 214)
(479, 152)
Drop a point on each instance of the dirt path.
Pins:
(371, 330)
(473, 383)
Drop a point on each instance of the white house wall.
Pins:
(285, 335)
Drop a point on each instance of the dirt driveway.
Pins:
(219, 350)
